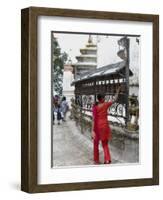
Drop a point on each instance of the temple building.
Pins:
(87, 60)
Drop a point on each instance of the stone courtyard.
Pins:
(71, 148)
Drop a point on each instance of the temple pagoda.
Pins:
(87, 60)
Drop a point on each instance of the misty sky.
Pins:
(107, 48)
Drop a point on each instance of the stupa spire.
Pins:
(87, 60)
(90, 39)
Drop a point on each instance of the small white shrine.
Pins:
(68, 77)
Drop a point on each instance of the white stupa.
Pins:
(68, 77)
(87, 60)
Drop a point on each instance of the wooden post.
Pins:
(127, 78)
(95, 90)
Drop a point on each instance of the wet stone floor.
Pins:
(71, 148)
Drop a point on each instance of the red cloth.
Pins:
(107, 156)
(101, 124)
(102, 130)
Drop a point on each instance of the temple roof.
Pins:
(87, 64)
(108, 70)
(88, 49)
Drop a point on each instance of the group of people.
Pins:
(60, 108)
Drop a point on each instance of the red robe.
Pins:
(101, 125)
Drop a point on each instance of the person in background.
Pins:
(89, 103)
(56, 109)
(100, 127)
(64, 108)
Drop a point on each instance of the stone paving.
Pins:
(71, 148)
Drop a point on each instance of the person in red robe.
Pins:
(100, 127)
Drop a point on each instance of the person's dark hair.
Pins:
(56, 96)
(64, 99)
(100, 96)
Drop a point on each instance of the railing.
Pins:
(81, 112)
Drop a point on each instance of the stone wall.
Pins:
(125, 145)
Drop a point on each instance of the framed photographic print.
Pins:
(90, 99)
